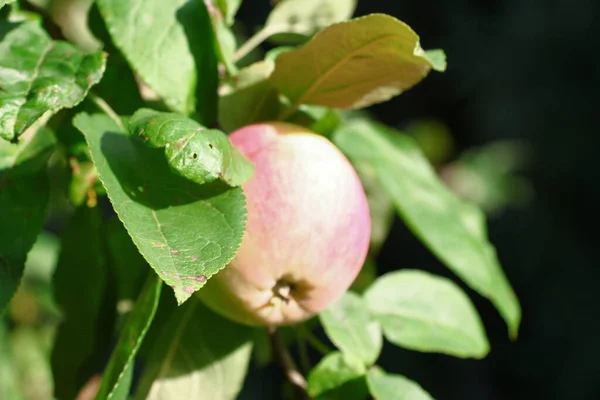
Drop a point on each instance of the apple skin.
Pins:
(307, 233)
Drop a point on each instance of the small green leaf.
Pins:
(39, 75)
(165, 43)
(305, 17)
(338, 376)
(24, 194)
(79, 286)
(383, 386)
(424, 312)
(350, 327)
(187, 232)
(352, 64)
(251, 100)
(117, 376)
(431, 211)
(194, 152)
(198, 355)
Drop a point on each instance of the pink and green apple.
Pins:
(307, 232)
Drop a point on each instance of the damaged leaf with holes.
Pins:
(193, 151)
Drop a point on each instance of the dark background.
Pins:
(517, 69)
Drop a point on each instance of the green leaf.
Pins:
(352, 64)
(116, 379)
(431, 211)
(187, 232)
(252, 99)
(424, 312)
(9, 382)
(225, 41)
(194, 152)
(198, 354)
(165, 43)
(338, 376)
(39, 75)
(24, 194)
(305, 17)
(381, 206)
(350, 327)
(79, 287)
(383, 386)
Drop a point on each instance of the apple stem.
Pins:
(287, 362)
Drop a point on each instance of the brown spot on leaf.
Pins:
(175, 252)
(199, 278)
(159, 245)
(194, 258)
(189, 289)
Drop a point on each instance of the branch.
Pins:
(287, 362)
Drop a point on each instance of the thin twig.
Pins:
(287, 362)
(253, 42)
(103, 105)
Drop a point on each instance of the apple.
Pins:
(307, 233)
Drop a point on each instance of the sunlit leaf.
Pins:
(187, 232)
(431, 211)
(353, 64)
(338, 376)
(427, 313)
(306, 17)
(383, 386)
(199, 154)
(198, 354)
(165, 43)
(350, 327)
(39, 75)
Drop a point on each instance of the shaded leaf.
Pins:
(194, 152)
(338, 376)
(161, 41)
(39, 75)
(350, 327)
(129, 266)
(79, 286)
(187, 232)
(251, 99)
(117, 376)
(424, 312)
(24, 194)
(199, 354)
(353, 64)
(431, 211)
(305, 17)
(383, 386)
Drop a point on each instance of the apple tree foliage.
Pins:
(101, 122)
